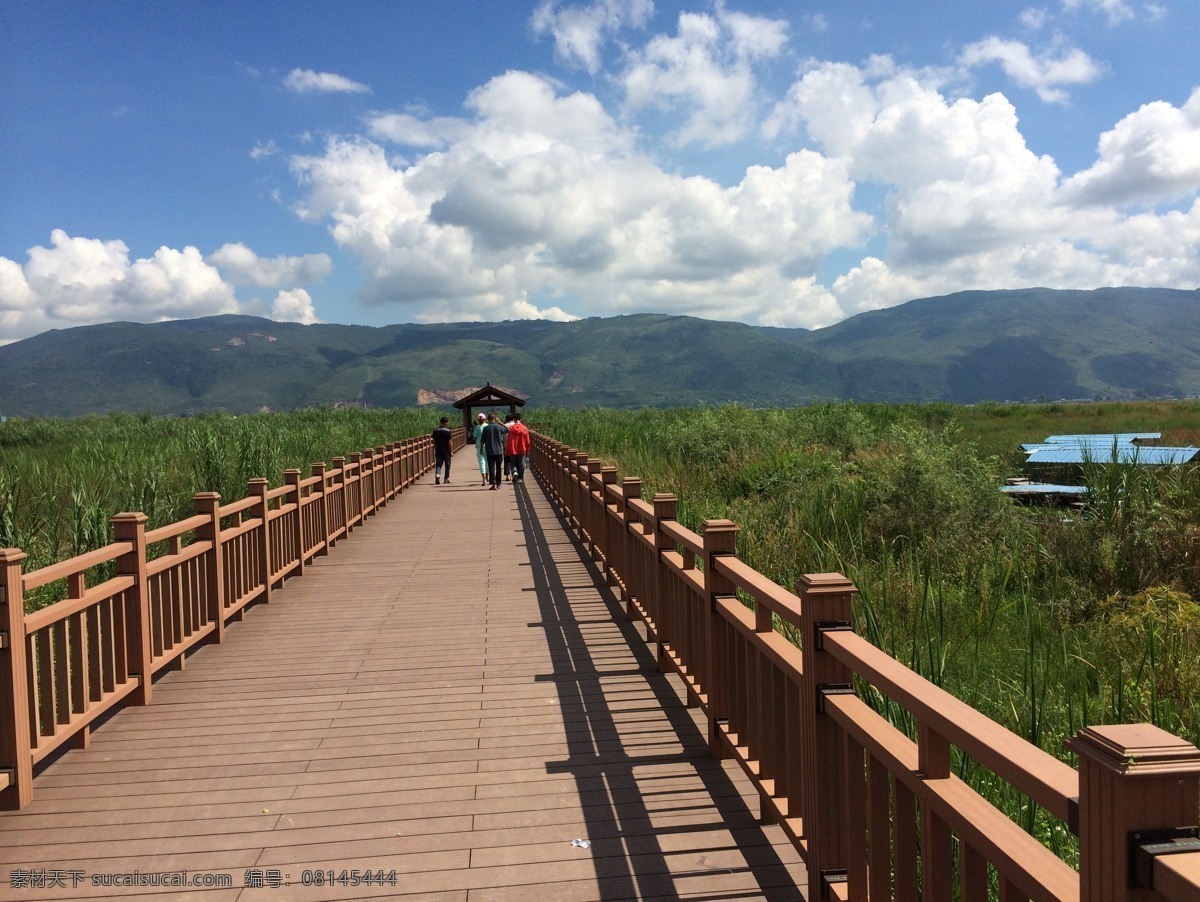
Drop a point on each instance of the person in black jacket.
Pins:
(441, 451)
(494, 435)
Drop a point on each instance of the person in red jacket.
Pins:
(516, 446)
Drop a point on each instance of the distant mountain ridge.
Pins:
(1021, 345)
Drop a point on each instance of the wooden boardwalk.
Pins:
(453, 696)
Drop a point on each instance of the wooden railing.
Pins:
(167, 590)
(874, 814)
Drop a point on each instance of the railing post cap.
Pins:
(664, 497)
(257, 481)
(717, 526)
(1136, 749)
(291, 471)
(206, 496)
(12, 555)
(129, 517)
(824, 584)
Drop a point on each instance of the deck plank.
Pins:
(452, 694)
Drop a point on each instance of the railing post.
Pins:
(16, 756)
(719, 541)
(1138, 786)
(318, 470)
(258, 488)
(291, 477)
(131, 527)
(665, 508)
(209, 505)
(825, 604)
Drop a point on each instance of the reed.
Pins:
(1015, 610)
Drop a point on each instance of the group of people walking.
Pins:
(500, 448)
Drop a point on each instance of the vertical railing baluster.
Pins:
(291, 477)
(209, 505)
(937, 849)
(631, 490)
(665, 509)
(258, 488)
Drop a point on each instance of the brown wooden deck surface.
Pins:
(452, 694)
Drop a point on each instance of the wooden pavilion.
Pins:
(488, 396)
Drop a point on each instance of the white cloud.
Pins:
(706, 69)
(80, 281)
(1034, 17)
(293, 306)
(1151, 155)
(412, 131)
(244, 267)
(547, 198)
(1116, 11)
(579, 32)
(306, 81)
(1044, 74)
(968, 205)
(818, 22)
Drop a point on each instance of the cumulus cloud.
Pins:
(244, 267)
(707, 70)
(968, 204)
(78, 281)
(885, 183)
(1044, 74)
(547, 197)
(293, 306)
(579, 32)
(306, 81)
(1151, 155)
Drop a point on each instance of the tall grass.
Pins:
(1017, 611)
(61, 480)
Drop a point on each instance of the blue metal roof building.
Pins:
(1121, 438)
(1126, 454)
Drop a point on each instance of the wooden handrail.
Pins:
(73, 566)
(1049, 782)
(852, 791)
(67, 664)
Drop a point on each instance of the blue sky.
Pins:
(785, 164)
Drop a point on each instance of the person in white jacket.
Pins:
(480, 453)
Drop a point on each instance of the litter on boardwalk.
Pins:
(581, 843)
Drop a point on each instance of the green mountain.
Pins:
(999, 345)
(1020, 345)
